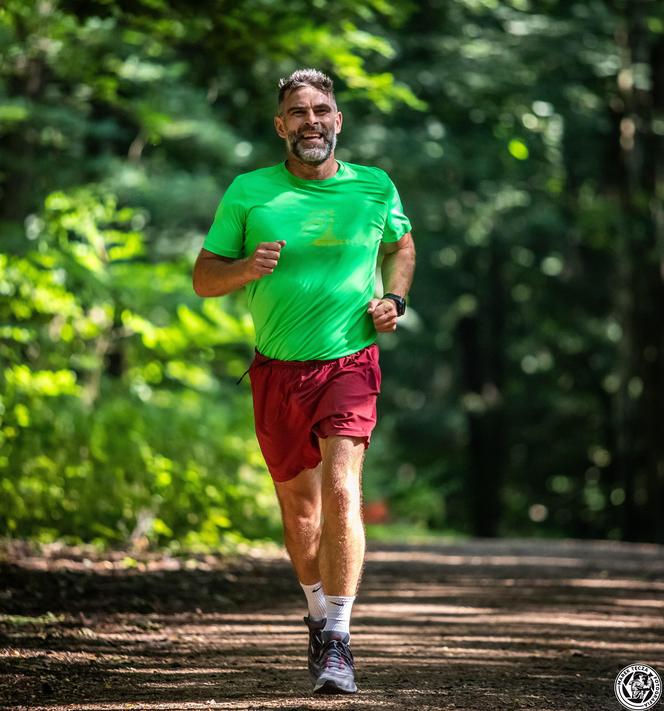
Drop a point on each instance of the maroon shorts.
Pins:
(296, 402)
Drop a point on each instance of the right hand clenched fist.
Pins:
(264, 259)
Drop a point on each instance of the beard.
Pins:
(312, 155)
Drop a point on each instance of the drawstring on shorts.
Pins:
(263, 362)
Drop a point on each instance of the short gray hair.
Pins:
(305, 77)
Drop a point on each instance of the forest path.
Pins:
(480, 624)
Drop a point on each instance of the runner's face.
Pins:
(309, 123)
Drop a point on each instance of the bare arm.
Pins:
(397, 269)
(215, 275)
(398, 265)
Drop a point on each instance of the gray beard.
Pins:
(314, 155)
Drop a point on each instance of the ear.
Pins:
(338, 120)
(279, 127)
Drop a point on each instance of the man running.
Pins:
(304, 237)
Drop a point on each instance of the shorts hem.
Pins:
(282, 478)
(348, 433)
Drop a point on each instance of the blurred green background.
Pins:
(523, 393)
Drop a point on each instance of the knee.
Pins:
(342, 498)
(301, 516)
(301, 529)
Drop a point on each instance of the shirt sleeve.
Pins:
(226, 235)
(396, 223)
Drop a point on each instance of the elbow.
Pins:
(202, 292)
(198, 287)
(198, 281)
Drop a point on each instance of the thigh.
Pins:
(341, 474)
(342, 459)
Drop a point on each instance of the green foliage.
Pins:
(119, 417)
(119, 414)
(520, 395)
(518, 369)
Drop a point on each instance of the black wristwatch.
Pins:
(399, 301)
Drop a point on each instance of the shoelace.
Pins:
(337, 656)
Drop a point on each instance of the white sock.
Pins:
(315, 600)
(338, 613)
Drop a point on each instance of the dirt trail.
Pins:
(482, 624)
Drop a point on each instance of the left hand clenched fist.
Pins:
(384, 314)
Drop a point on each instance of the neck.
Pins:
(306, 171)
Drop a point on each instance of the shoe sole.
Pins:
(329, 686)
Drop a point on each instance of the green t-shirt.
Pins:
(313, 306)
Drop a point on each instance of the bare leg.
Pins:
(300, 502)
(342, 542)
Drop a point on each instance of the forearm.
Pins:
(214, 277)
(397, 270)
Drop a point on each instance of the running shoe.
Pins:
(315, 645)
(337, 668)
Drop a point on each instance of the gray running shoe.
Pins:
(337, 668)
(315, 645)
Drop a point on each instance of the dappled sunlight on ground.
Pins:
(507, 628)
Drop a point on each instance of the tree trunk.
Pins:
(482, 372)
(641, 294)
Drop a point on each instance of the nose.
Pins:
(310, 117)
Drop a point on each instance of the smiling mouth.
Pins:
(312, 136)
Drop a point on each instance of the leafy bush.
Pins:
(120, 416)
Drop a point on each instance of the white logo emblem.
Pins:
(638, 686)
